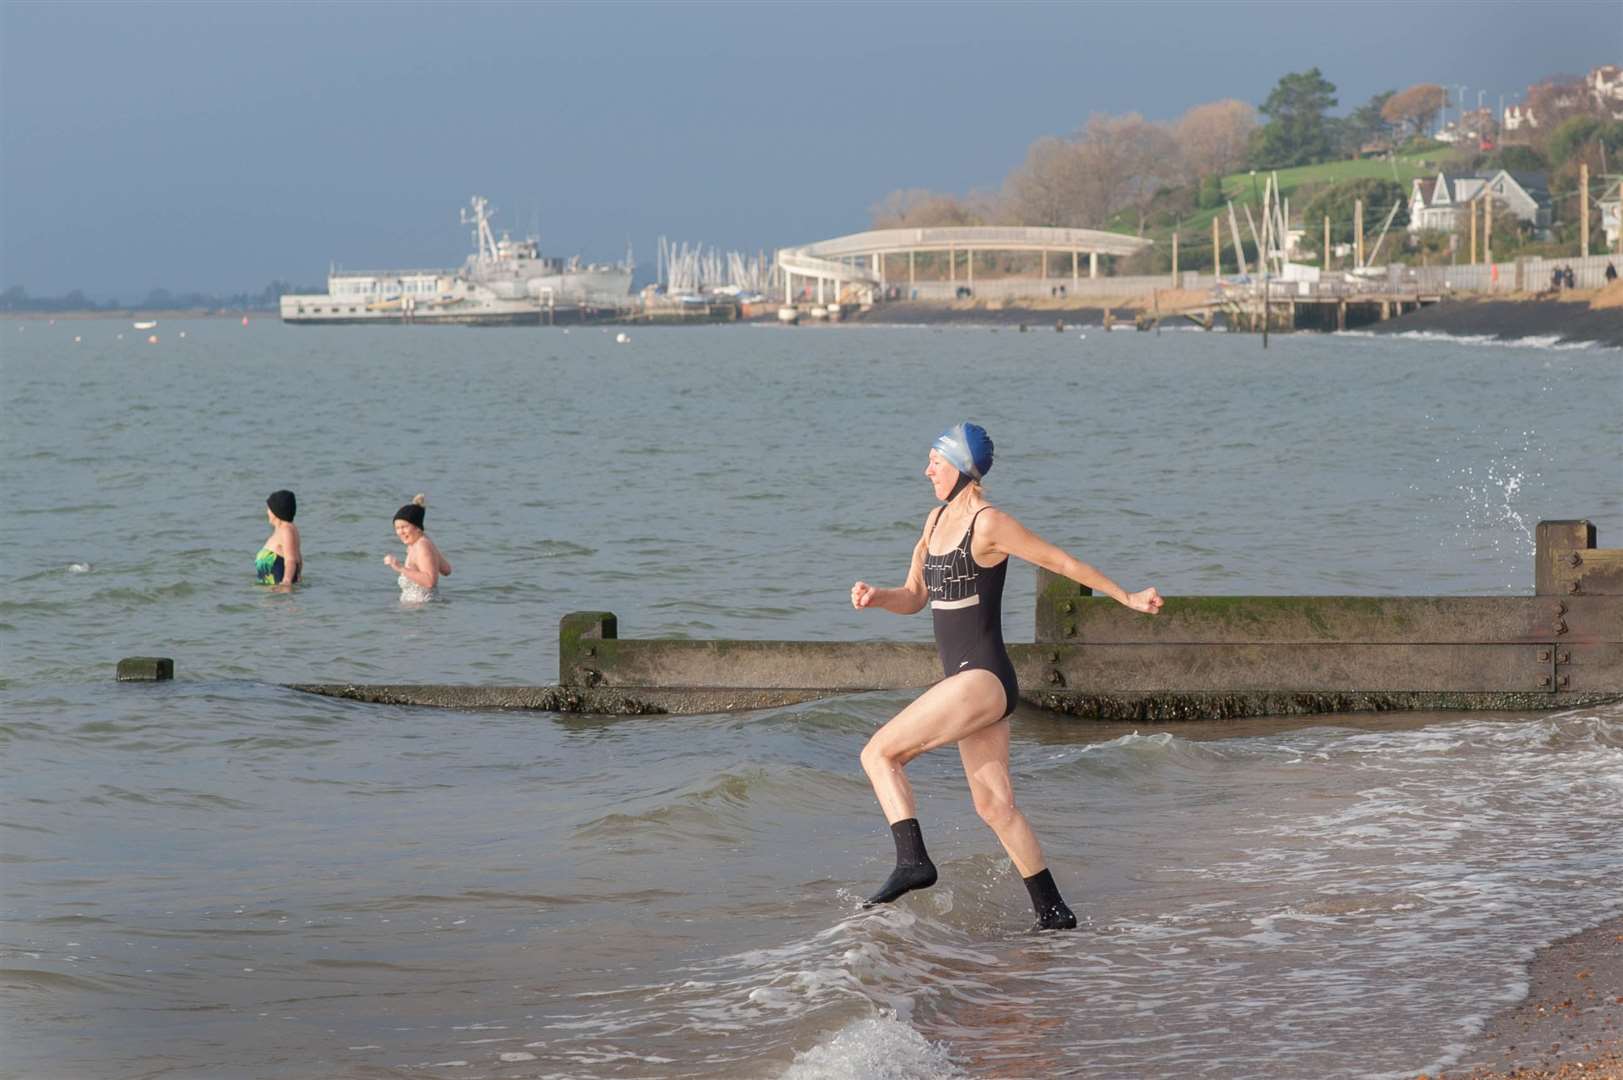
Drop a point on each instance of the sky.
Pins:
(215, 147)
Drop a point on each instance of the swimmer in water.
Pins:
(281, 550)
(424, 565)
(958, 566)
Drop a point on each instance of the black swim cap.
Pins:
(412, 512)
(283, 504)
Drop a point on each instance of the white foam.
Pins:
(1552, 342)
(878, 1048)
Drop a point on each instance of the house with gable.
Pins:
(1611, 215)
(1436, 204)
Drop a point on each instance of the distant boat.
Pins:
(145, 325)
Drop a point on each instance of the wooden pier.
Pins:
(1289, 305)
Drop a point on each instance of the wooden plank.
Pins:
(1265, 668)
(1589, 668)
(1554, 542)
(1071, 619)
(1582, 573)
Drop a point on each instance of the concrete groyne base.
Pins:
(604, 701)
(1145, 707)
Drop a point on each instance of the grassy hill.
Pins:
(1298, 185)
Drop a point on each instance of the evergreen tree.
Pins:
(1297, 131)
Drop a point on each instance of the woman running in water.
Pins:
(959, 565)
(424, 565)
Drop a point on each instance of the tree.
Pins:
(1126, 162)
(1337, 201)
(919, 208)
(1414, 109)
(1046, 189)
(1297, 132)
(1212, 138)
(1556, 101)
(1364, 125)
(1576, 132)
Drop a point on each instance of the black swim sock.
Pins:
(1052, 914)
(914, 870)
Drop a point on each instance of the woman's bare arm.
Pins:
(1002, 534)
(906, 600)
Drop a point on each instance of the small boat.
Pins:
(145, 325)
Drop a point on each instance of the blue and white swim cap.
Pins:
(967, 448)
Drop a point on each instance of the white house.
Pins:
(1611, 215)
(1436, 204)
(1519, 116)
(1605, 85)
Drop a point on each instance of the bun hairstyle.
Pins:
(412, 512)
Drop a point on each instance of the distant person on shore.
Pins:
(971, 705)
(424, 565)
(281, 549)
(1611, 273)
(1571, 278)
(1556, 279)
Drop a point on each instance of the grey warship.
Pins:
(504, 282)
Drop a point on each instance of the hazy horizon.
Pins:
(216, 148)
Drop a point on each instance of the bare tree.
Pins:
(1113, 164)
(916, 208)
(1046, 189)
(1415, 107)
(1126, 161)
(1213, 138)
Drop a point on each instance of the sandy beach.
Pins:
(1571, 1022)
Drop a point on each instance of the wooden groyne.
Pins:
(1201, 658)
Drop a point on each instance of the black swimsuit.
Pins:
(966, 600)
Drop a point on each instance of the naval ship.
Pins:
(504, 282)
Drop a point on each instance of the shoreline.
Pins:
(1594, 316)
(1568, 1025)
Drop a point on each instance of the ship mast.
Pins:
(482, 234)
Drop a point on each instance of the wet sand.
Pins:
(1571, 1022)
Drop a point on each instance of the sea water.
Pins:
(219, 877)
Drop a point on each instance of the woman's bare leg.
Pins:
(948, 711)
(986, 764)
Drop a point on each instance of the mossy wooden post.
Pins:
(146, 669)
(1567, 562)
(1056, 607)
(582, 638)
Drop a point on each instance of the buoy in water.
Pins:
(622, 338)
(152, 339)
(77, 339)
(245, 320)
(183, 333)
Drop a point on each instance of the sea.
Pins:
(221, 877)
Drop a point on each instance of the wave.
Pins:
(1550, 342)
(877, 1047)
(1136, 753)
(720, 808)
